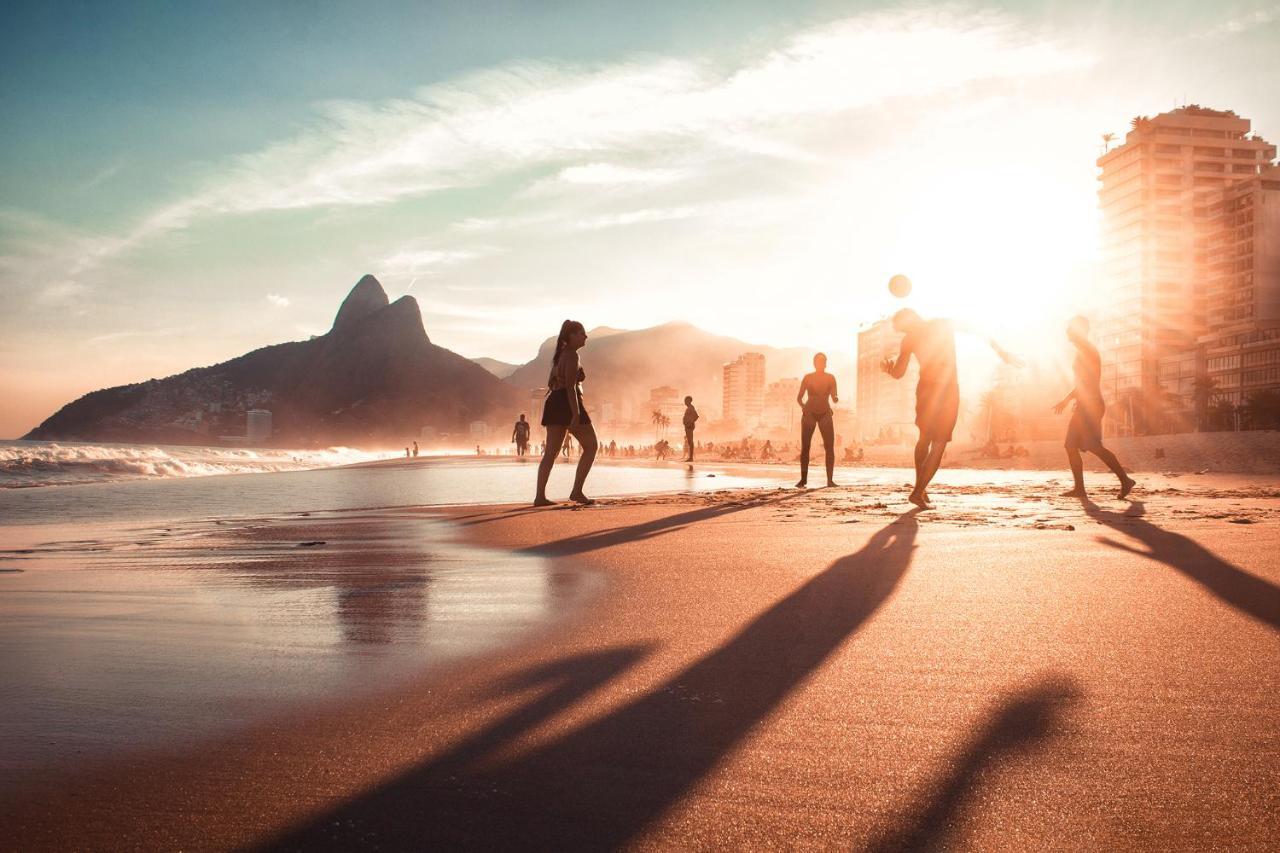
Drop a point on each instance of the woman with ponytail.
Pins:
(563, 413)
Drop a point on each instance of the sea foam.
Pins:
(25, 464)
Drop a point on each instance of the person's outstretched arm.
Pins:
(1058, 407)
(835, 397)
(1004, 355)
(897, 369)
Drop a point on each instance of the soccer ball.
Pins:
(900, 286)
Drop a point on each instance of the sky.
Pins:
(182, 183)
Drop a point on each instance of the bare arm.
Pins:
(569, 366)
(897, 369)
(1058, 407)
(1004, 355)
(835, 398)
(800, 396)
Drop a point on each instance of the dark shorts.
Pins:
(937, 408)
(1085, 429)
(556, 411)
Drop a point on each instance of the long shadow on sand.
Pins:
(598, 786)
(1020, 725)
(1246, 592)
(611, 536)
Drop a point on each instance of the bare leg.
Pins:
(933, 463)
(555, 439)
(1126, 482)
(586, 435)
(921, 454)
(807, 424)
(1077, 473)
(829, 446)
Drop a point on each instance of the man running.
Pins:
(821, 388)
(520, 435)
(933, 342)
(690, 418)
(1085, 430)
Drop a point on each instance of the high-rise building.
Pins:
(744, 390)
(780, 408)
(667, 401)
(886, 406)
(257, 425)
(1242, 303)
(1159, 195)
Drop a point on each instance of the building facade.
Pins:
(1168, 286)
(744, 390)
(886, 406)
(1242, 302)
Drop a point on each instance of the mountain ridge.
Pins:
(374, 377)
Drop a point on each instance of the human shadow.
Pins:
(598, 786)
(597, 539)
(1021, 724)
(1247, 593)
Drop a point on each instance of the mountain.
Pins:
(500, 369)
(625, 365)
(374, 378)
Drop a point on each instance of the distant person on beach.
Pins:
(933, 343)
(1085, 429)
(520, 435)
(563, 413)
(690, 418)
(415, 449)
(406, 453)
(613, 448)
(820, 387)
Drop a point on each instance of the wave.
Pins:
(27, 464)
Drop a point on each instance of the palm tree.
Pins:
(1202, 396)
(1107, 139)
(656, 418)
(1263, 409)
(990, 403)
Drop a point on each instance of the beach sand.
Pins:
(770, 668)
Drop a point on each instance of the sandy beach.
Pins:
(766, 668)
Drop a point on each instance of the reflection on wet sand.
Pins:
(179, 632)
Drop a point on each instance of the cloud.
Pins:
(638, 217)
(478, 128)
(277, 300)
(1243, 24)
(420, 261)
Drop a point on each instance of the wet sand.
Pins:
(819, 669)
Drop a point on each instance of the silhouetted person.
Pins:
(564, 413)
(820, 387)
(520, 435)
(613, 448)
(406, 453)
(690, 418)
(1085, 430)
(933, 342)
(415, 449)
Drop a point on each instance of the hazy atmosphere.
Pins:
(183, 184)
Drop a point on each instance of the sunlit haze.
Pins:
(182, 186)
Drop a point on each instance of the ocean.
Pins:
(146, 603)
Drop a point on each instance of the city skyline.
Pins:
(183, 207)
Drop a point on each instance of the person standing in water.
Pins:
(520, 435)
(821, 389)
(933, 342)
(1085, 430)
(564, 413)
(690, 418)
